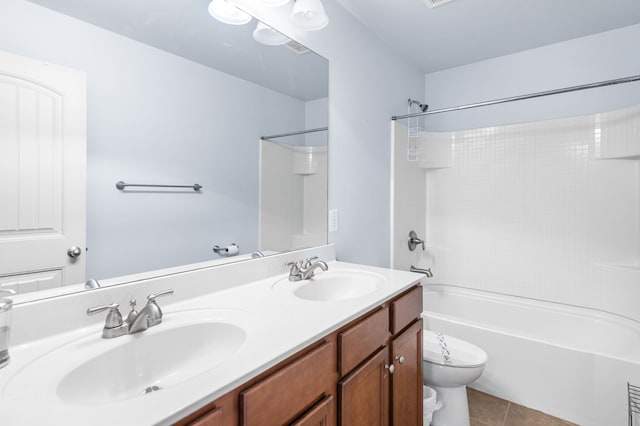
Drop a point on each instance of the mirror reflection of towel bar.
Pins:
(122, 185)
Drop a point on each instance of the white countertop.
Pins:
(277, 325)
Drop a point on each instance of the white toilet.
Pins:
(449, 377)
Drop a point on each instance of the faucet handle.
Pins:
(307, 262)
(114, 317)
(295, 266)
(152, 297)
(414, 241)
(153, 310)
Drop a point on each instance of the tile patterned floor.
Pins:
(488, 410)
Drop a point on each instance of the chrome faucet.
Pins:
(149, 316)
(304, 269)
(257, 254)
(294, 273)
(114, 325)
(308, 272)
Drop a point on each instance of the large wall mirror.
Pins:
(173, 97)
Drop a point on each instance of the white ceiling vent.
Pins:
(436, 3)
(297, 47)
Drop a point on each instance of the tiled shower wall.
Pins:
(548, 210)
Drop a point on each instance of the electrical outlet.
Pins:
(333, 220)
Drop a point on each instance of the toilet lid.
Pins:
(461, 353)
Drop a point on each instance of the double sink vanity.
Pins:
(237, 344)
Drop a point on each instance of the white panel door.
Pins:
(42, 173)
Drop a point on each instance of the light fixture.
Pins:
(309, 15)
(266, 35)
(226, 12)
(275, 3)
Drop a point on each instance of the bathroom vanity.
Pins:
(239, 344)
(367, 373)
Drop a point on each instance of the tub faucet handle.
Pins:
(414, 241)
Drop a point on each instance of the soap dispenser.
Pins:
(5, 326)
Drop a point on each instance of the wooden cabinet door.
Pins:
(290, 391)
(213, 418)
(364, 394)
(406, 381)
(322, 414)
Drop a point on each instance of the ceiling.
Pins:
(185, 28)
(466, 31)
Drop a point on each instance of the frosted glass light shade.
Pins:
(225, 12)
(275, 3)
(266, 35)
(309, 15)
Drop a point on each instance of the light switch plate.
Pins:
(333, 220)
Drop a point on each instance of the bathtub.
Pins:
(573, 363)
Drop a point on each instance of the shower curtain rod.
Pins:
(301, 132)
(522, 97)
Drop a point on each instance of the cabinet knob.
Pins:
(391, 368)
(400, 359)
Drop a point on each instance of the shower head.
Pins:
(423, 107)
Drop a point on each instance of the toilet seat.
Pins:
(462, 354)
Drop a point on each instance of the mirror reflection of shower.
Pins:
(415, 128)
(421, 106)
(293, 190)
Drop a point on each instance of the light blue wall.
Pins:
(602, 56)
(368, 83)
(156, 117)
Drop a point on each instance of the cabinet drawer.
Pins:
(291, 390)
(405, 309)
(361, 340)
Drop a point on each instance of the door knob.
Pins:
(74, 252)
(400, 359)
(391, 368)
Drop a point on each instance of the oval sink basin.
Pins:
(149, 363)
(90, 370)
(335, 285)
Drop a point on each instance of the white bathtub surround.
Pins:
(275, 327)
(547, 210)
(570, 362)
(408, 191)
